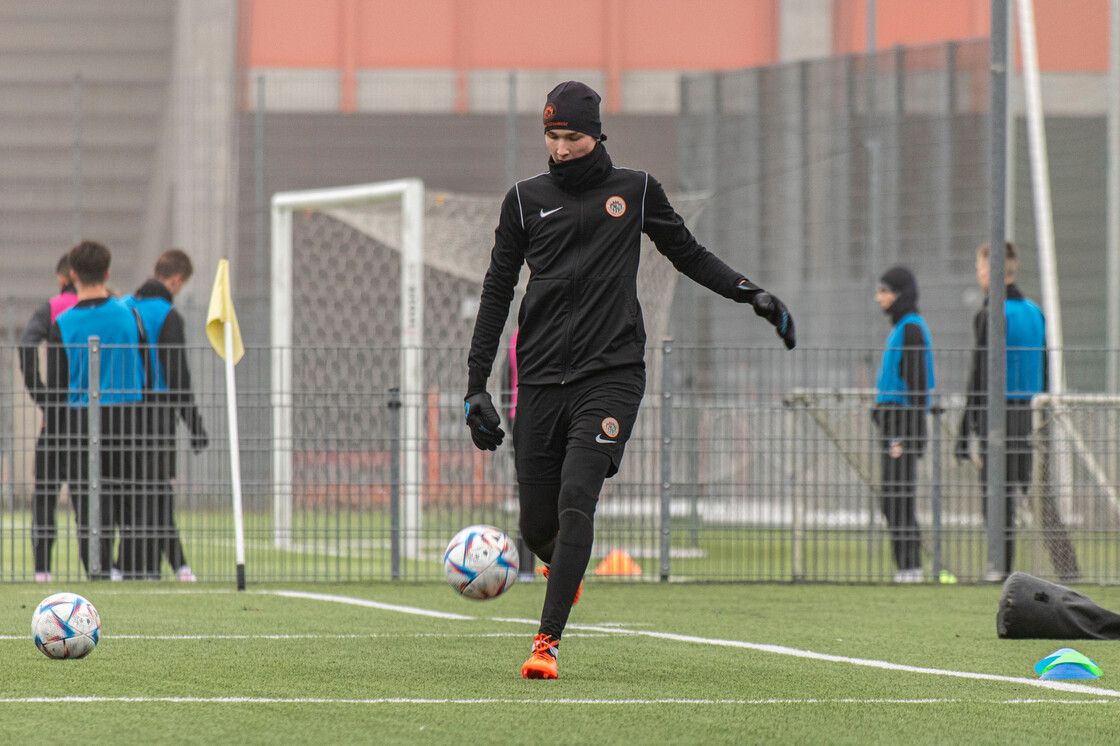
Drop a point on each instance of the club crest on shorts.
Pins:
(616, 206)
(610, 427)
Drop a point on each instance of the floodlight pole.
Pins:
(997, 295)
(1043, 205)
(1113, 198)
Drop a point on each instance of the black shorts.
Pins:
(596, 413)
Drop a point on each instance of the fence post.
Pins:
(94, 430)
(395, 482)
(260, 258)
(666, 455)
(76, 160)
(511, 128)
(935, 489)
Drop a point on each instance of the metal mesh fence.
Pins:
(809, 177)
(746, 481)
(825, 173)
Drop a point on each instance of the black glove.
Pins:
(483, 420)
(199, 438)
(770, 308)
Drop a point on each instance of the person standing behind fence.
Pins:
(123, 375)
(1027, 375)
(581, 338)
(902, 401)
(48, 448)
(170, 399)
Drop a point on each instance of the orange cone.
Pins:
(618, 562)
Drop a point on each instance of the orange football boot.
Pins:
(544, 571)
(542, 663)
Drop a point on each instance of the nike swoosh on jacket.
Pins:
(580, 314)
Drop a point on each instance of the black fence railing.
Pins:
(770, 471)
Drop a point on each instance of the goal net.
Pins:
(1076, 471)
(375, 289)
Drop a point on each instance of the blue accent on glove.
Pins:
(483, 420)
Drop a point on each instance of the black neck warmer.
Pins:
(581, 174)
(900, 308)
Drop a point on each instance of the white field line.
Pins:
(536, 702)
(367, 603)
(367, 636)
(1052, 684)
(1056, 685)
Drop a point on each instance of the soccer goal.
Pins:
(374, 294)
(406, 198)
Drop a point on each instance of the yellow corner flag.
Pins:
(221, 311)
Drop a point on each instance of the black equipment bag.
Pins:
(1035, 609)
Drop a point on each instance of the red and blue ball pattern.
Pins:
(481, 562)
(65, 625)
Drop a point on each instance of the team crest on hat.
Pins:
(610, 427)
(549, 112)
(616, 206)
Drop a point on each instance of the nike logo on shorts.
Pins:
(555, 209)
(600, 439)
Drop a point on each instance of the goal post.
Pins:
(410, 193)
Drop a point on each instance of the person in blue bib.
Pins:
(902, 400)
(123, 376)
(170, 400)
(1027, 375)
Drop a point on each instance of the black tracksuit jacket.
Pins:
(578, 228)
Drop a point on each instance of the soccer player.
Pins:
(123, 376)
(48, 458)
(902, 400)
(1026, 376)
(170, 399)
(581, 338)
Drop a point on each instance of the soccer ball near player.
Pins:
(481, 562)
(65, 625)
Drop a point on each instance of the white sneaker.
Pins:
(115, 574)
(185, 575)
(910, 575)
(42, 577)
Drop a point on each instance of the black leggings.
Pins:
(48, 483)
(558, 525)
(898, 503)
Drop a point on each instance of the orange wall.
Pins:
(907, 22)
(1072, 34)
(522, 34)
(619, 35)
(293, 33)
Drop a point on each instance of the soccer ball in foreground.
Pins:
(481, 562)
(65, 625)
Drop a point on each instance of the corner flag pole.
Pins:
(234, 456)
(221, 323)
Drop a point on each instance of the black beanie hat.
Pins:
(902, 283)
(573, 106)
